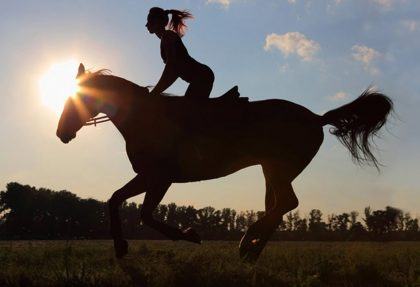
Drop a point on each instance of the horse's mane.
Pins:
(104, 77)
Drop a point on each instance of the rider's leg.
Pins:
(201, 88)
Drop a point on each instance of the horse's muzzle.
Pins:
(65, 138)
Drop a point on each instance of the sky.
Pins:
(320, 54)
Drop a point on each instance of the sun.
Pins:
(59, 83)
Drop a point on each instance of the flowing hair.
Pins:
(177, 21)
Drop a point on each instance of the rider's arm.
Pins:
(170, 73)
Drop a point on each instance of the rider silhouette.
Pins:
(178, 63)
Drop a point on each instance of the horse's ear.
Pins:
(81, 70)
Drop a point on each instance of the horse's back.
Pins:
(207, 116)
(285, 122)
(255, 123)
(269, 113)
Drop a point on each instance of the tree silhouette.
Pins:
(315, 221)
(30, 213)
(339, 222)
(382, 221)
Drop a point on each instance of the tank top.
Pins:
(187, 67)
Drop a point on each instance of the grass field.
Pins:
(165, 263)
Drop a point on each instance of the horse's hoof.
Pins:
(250, 249)
(121, 248)
(244, 247)
(191, 235)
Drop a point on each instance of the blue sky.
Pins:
(320, 54)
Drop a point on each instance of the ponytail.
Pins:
(176, 23)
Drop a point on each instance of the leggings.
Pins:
(202, 86)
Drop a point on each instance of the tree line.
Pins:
(30, 213)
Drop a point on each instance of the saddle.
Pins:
(231, 96)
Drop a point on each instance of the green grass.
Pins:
(165, 263)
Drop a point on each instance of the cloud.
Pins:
(291, 1)
(224, 3)
(284, 68)
(387, 4)
(339, 96)
(411, 25)
(383, 3)
(292, 43)
(332, 5)
(366, 56)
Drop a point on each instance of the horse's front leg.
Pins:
(151, 200)
(134, 187)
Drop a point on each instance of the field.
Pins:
(165, 263)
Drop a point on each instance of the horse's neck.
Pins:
(124, 108)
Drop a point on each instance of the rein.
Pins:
(97, 120)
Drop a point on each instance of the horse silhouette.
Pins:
(173, 139)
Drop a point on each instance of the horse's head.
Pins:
(78, 109)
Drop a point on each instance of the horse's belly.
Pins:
(203, 162)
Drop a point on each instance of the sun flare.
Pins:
(58, 83)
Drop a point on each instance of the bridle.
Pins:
(97, 120)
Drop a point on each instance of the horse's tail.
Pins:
(356, 123)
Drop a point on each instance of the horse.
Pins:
(172, 139)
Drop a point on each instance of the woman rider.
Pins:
(178, 63)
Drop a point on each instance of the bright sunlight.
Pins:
(58, 83)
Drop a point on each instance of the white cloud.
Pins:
(291, 1)
(332, 5)
(284, 68)
(366, 56)
(292, 43)
(387, 4)
(339, 96)
(224, 3)
(383, 3)
(411, 25)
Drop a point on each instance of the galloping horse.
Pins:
(173, 139)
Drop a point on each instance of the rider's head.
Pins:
(158, 19)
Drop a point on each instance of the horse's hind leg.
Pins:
(280, 199)
(279, 172)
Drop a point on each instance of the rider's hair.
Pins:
(176, 23)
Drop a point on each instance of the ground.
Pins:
(214, 263)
